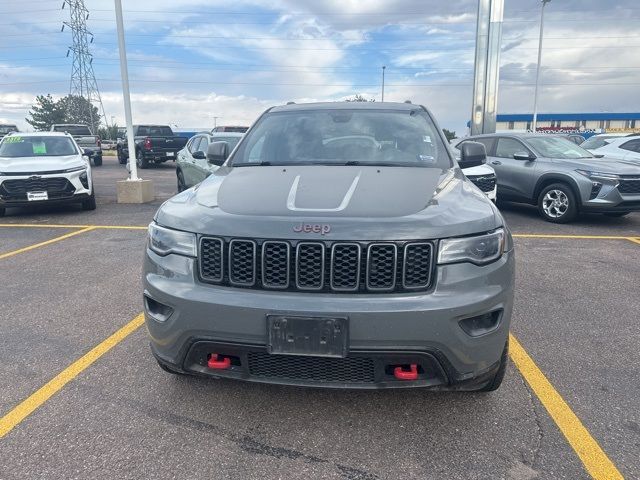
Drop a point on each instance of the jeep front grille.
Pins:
(356, 267)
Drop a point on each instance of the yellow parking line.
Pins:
(595, 461)
(580, 237)
(40, 396)
(44, 225)
(634, 240)
(48, 242)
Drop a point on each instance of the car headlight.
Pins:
(479, 250)
(598, 175)
(164, 241)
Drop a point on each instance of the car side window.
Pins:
(507, 147)
(204, 143)
(632, 146)
(193, 145)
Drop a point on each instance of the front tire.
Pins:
(121, 159)
(496, 381)
(90, 203)
(141, 161)
(557, 203)
(97, 161)
(181, 186)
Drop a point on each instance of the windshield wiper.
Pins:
(252, 164)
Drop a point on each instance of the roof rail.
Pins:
(407, 101)
(291, 103)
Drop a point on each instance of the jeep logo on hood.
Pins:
(321, 228)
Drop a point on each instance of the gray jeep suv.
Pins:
(560, 177)
(340, 245)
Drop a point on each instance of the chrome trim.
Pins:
(343, 289)
(255, 247)
(298, 266)
(404, 265)
(395, 267)
(210, 279)
(286, 244)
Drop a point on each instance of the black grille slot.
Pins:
(211, 263)
(310, 266)
(417, 265)
(486, 183)
(275, 264)
(242, 262)
(345, 266)
(630, 185)
(312, 369)
(55, 187)
(382, 261)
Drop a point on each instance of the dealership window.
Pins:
(601, 123)
(528, 125)
(633, 124)
(584, 123)
(577, 125)
(608, 124)
(510, 125)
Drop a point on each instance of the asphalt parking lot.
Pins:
(82, 397)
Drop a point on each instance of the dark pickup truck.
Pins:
(153, 143)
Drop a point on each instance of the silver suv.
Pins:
(340, 245)
(560, 177)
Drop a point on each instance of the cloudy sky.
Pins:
(193, 60)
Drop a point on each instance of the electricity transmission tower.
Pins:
(83, 80)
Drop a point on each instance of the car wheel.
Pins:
(121, 159)
(168, 369)
(617, 214)
(141, 161)
(181, 186)
(557, 203)
(89, 203)
(97, 161)
(496, 381)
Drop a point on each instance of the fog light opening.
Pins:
(481, 324)
(156, 310)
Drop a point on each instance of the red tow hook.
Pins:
(402, 374)
(218, 364)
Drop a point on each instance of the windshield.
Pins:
(344, 137)
(73, 129)
(16, 146)
(596, 142)
(551, 147)
(232, 141)
(154, 130)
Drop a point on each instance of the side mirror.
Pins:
(217, 153)
(598, 155)
(472, 154)
(525, 156)
(199, 155)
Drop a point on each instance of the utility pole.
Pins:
(83, 80)
(383, 69)
(535, 95)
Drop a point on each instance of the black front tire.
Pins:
(89, 203)
(565, 210)
(496, 381)
(121, 158)
(141, 161)
(97, 161)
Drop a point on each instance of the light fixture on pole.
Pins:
(383, 69)
(535, 94)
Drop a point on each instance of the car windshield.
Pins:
(73, 129)
(554, 147)
(25, 146)
(596, 142)
(344, 137)
(152, 130)
(232, 141)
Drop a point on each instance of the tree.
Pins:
(78, 110)
(109, 132)
(449, 134)
(45, 112)
(359, 98)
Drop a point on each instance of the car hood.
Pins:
(29, 165)
(605, 164)
(357, 203)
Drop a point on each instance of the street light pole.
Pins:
(124, 73)
(535, 95)
(383, 69)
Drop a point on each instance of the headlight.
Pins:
(164, 241)
(598, 175)
(478, 250)
(75, 169)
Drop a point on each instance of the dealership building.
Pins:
(584, 123)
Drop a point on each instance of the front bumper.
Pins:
(76, 193)
(608, 199)
(387, 329)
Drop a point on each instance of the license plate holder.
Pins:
(170, 154)
(310, 336)
(37, 196)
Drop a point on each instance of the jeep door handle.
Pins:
(496, 162)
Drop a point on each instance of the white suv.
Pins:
(44, 167)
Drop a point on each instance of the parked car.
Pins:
(482, 176)
(575, 138)
(625, 148)
(346, 266)
(192, 166)
(560, 177)
(153, 143)
(6, 128)
(44, 167)
(228, 129)
(85, 139)
(596, 141)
